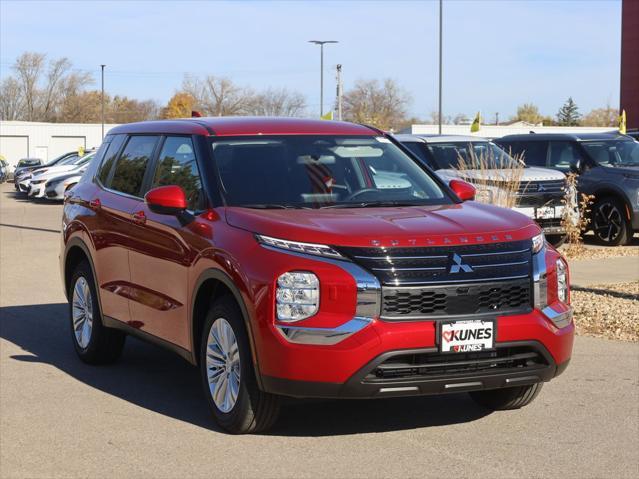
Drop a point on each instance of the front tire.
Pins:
(609, 223)
(556, 240)
(94, 343)
(507, 398)
(228, 376)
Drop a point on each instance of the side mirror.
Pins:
(166, 200)
(465, 191)
(575, 165)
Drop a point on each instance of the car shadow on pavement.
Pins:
(160, 381)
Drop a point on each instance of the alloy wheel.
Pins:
(608, 222)
(82, 311)
(223, 365)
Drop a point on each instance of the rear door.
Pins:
(163, 248)
(120, 178)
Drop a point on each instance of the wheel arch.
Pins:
(213, 284)
(75, 251)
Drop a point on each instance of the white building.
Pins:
(23, 139)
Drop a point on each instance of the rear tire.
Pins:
(228, 376)
(94, 343)
(507, 398)
(609, 222)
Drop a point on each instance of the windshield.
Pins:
(471, 156)
(81, 160)
(613, 152)
(321, 171)
(29, 162)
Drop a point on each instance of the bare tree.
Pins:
(28, 68)
(45, 86)
(607, 116)
(383, 106)
(278, 102)
(218, 96)
(11, 100)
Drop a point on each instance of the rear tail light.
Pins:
(297, 296)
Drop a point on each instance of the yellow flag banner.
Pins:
(622, 122)
(476, 123)
(327, 116)
(81, 151)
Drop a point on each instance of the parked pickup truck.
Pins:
(538, 193)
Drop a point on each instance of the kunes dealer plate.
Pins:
(467, 336)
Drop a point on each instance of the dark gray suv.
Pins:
(608, 168)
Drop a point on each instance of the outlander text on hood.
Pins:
(312, 259)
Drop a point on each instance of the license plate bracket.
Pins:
(467, 335)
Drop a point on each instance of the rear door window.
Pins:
(533, 153)
(177, 166)
(131, 166)
(419, 150)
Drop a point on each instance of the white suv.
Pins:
(535, 192)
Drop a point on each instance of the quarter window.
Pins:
(109, 158)
(177, 166)
(130, 167)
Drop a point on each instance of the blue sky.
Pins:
(497, 54)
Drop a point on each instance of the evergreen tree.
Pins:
(568, 114)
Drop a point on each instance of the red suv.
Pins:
(308, 259)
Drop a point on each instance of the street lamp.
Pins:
(321, 43)
(102, 81)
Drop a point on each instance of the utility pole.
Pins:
(339, 92)
(497, 118)
(321, 43)
(102, 77)
(440, 66)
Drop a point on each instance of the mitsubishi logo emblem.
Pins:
(541, 188)
(458, 265)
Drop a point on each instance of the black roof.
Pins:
(613, 135)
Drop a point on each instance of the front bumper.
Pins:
(463, 375)
(342, 369)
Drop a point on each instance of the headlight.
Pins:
(484, 196)
(562, 281)
(538, 243)
(308, 248)
(297, 296)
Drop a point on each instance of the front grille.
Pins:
(445, 264)
(449, 281)
(544, 186)
(435, 364)
(503, 297)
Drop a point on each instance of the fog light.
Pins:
(562, 281)
(297, 296)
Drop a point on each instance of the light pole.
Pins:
(440, 66)
(321, 43)
(102, 80)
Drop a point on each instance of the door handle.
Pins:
(95, 204)
(139, 217)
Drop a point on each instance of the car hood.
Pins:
(622, 170)
(469, 222)
(528, 174)
(55, 170)
(54, 173)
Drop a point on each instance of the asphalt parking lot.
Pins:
(146, 416)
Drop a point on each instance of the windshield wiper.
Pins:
(371, 204)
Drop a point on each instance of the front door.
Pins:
(165, 248)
